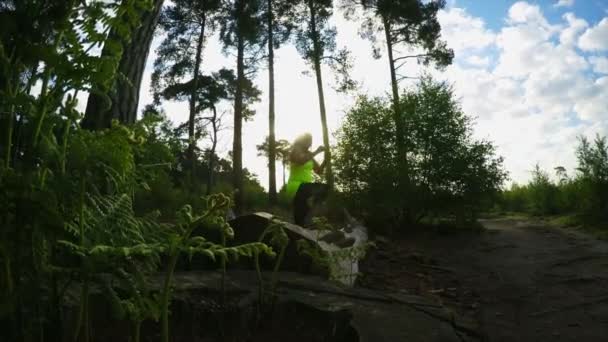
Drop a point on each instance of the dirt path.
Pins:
(518, 280)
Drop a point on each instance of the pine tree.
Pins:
(412, 24)
(278, 30)
(241, 30)
(317, 44)
(177, 67)
(124, 96)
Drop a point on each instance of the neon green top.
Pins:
(298, 174)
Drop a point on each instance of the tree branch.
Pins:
(401, 78)
(400, 65)
(411, 56)
(334, 58)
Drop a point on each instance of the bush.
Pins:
(593, 178)
(543, 193)
(585, 195)
(447, 171)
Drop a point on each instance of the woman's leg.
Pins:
(319, 192)
(308, 194)
(300, 203)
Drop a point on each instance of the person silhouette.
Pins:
(301, 188)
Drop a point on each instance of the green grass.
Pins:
(507, 215)
(446, 225)
(566, 221)
(597, 230)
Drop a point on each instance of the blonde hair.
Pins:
(302, 141)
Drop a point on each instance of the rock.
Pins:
(307, 308)
(333, 237)
(250, 227)
(381, 240)
(344, 243)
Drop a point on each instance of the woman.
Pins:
(300, 187)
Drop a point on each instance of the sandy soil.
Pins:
(518, 280)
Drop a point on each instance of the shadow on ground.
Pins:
(519, 280)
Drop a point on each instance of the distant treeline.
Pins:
(584, 193)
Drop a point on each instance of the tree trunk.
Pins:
(402, 162)
(395, 88)
(212, 152)
(317, 65)
(237, 148)
(125, 96)
(191, 119)
(283, 173)
(272, 176)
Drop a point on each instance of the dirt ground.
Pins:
(518, 280)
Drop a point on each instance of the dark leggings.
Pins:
(318, 191)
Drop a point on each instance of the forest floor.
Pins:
(520, 280)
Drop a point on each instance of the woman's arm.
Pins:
(319, 168)
(300, 156)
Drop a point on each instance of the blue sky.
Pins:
(548, 58)
(534, 76)
(493, 11)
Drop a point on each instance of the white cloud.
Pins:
(595, 38)
(531, 93)
(478, 61)
(575, 27)
(593, 102)
(564, 3)
(525, 49)
(600, 64)
(532, 102)
(463, 32)
(522, 12)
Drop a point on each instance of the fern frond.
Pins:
(72, 248)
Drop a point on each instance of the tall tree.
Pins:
(452, 172)
(177, 67)
(316, 42)
(241, 29)
(282, 148)
(278, 29)
(411, 24)
(218, 87)
(124, 97)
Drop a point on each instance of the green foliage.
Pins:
(449, 171)
(315, 39)
(413, 24)
(319, 258)
(280, 11)
(277, 237)
(543, 193)
(333, 263)
(242, 20)
(282, 149)
(583, 195)
(79, 205)
(49, 167)
(180, 241)
(593, 178)
(350, 256)
(322, 223)
(183, 21)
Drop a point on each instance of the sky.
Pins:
(533, 74)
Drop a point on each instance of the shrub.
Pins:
(446, 170)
